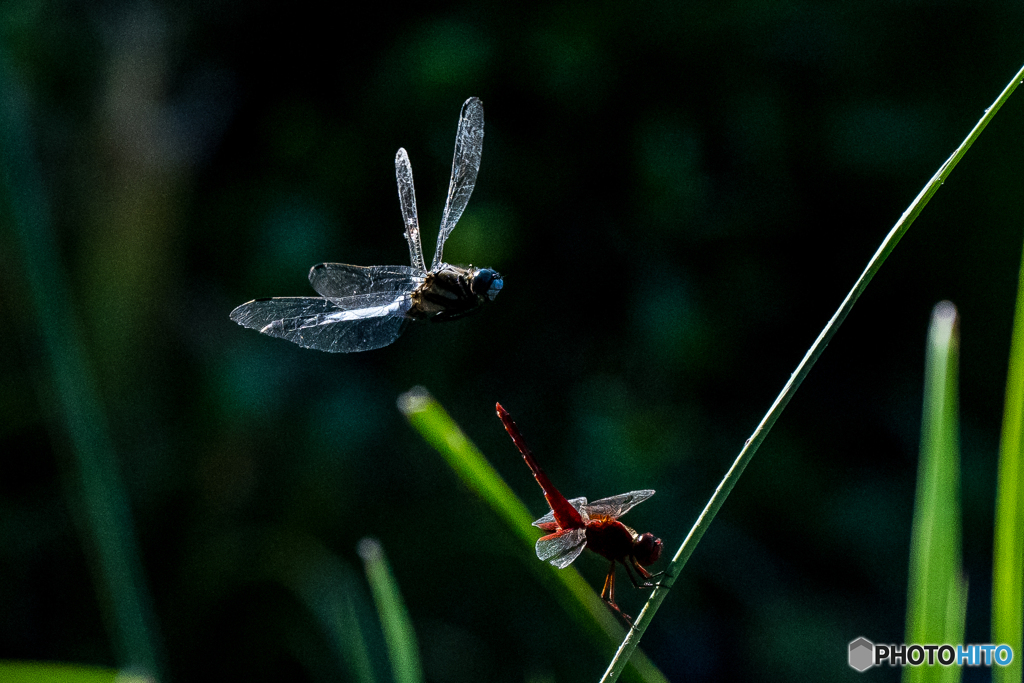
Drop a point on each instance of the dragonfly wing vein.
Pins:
(342, 281)
(469, 143)
(616, 506)
(562, 547)
(407, 198)
(316, 323)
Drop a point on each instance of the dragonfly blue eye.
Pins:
(486, 281)
(495, 288)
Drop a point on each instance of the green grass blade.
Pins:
(1008, 550)
(439, 430)
(328, 588)
(76, 403)
(46, 672)
(394, 618)
(937, 593)
(796, 379)
(571, 591)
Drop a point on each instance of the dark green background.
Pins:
(678, 196)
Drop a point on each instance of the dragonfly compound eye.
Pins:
(647, 549)
(487, 281)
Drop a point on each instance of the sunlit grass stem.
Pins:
(750, 447)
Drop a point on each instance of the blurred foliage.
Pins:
(37, 672)
(678, 196)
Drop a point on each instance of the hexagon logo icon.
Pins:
(862, 653)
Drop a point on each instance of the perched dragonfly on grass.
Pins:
(576, 524)
(367, 307)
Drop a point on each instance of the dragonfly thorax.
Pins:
(451, 292)
(610, 538)
(616, 541)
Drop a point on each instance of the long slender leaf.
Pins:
(796, 379)
(937, 592)
(1008, 550)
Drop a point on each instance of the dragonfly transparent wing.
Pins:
(562, 547)
(578, 503)
(407, 198)
(342, 281)
(616, 506)
(468, 144)
(322, 324)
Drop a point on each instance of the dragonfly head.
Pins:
(486, 282)
(646, 549)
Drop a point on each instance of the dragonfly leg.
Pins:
(642, 574)
(608, 594)
(648, 576)
(608, 590)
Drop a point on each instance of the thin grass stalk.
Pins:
(1008, 546)
(796, 379)
(72, 391)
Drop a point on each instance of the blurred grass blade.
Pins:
(77, 405)
(439, 430)
(45, 672)
(937, 592)
(1008, 550)
(394, 618)
(795, 380)
(327, 587)
(571, 591)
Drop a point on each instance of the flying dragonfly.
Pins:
(576, 524)
(367, 307)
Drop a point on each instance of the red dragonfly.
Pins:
(576, 524)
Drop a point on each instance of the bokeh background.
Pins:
(678, 195)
